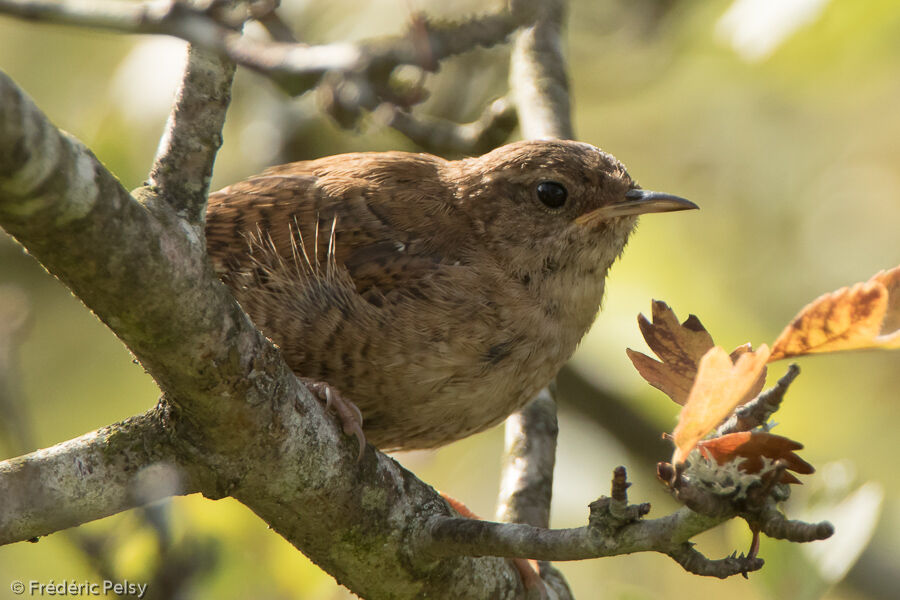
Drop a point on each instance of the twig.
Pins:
(694, 562)
(183, 165)
(776, 525)
(178, 19)
(757, 412)
(758, 508)
(440, 136)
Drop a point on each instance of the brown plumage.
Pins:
(438, 296)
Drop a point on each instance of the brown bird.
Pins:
(437, 296)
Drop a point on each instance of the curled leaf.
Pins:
(890, 326)
(865, 315)
(720, 386)
(754, 447)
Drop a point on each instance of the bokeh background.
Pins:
(780, 118)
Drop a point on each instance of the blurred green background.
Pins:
(781, 119)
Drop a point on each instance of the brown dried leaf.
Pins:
(679, 348)
(865, 315)
(719, 387)
(753, 447)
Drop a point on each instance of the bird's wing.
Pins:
(384, 217)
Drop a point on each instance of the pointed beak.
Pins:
(638, 202)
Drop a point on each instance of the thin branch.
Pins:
(528, 469)
(606, 535)
(99, 474)
(194, 25)
(296, 67)
(528, 462)
(183, 166)
(538, 78)
(616, 527)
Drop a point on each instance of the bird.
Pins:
(428, 298)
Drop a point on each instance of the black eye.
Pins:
(552, 194)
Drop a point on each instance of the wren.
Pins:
(437, 296)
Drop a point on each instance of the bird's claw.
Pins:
(347, 412)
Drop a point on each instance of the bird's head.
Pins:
(546, 205)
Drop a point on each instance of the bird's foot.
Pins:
(347, 412)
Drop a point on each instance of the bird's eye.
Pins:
(552, 194)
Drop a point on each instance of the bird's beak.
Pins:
(638, 202)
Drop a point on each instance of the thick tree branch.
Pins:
(184, 162)
(96, 475)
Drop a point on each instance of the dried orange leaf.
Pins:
(720, 386)
(679, 348)
(862, 316)
(753, 447)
